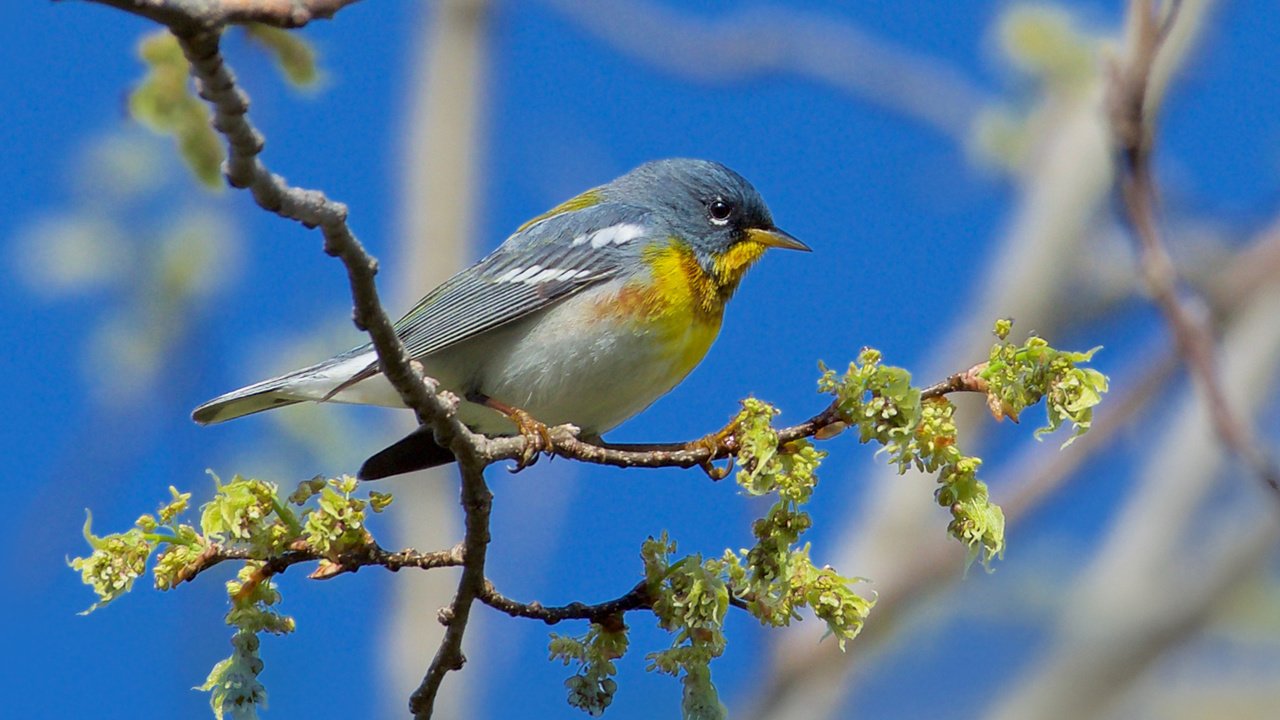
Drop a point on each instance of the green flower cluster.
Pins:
(776, 577)
(773, 580)
(233, 684)
(921, 433)
(592, 688)
(119, 559)
(246, 517)
(881, 402)
(690, 599)
(248, 512)
(336, 523)
(1019, 376)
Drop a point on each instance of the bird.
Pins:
(585, 315)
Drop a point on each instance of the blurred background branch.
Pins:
(1133, 122)
(762, 40)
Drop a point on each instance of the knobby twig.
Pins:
(347, 561)
(476, 502)
(1132, 127)
(188, 17)
(197, 24)
(637, 598)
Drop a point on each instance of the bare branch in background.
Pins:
(1133, 129)
(1167, 563)
(762, 40)
(1167, 560)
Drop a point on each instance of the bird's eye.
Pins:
(719, 211)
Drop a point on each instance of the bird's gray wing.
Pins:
(543, 263)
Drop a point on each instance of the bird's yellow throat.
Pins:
(681, 301)
(682, 287)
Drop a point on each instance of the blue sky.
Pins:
(898, 214)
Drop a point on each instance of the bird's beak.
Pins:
(773, 237)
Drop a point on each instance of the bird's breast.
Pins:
(594, 360)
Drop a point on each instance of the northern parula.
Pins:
(585, 315)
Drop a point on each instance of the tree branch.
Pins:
(635, 599)
(434, 409)
(718, 446)
(476, 502)
(186, 17)
(349, 561)
(198, 26)
(1132, 127)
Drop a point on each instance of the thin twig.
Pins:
(1132, 126)
(968, 381)
(635, 599)
(198, 26)
(698, 453)
(476, 502)
(187, 17)
(351, 560)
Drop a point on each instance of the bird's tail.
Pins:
(318, 383)
(238, 403)
(416, 451)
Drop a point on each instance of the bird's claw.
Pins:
(713, 445)
(537, 437)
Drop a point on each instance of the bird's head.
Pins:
(711, 209)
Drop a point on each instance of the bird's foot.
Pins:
(537, 436)
(714, 444)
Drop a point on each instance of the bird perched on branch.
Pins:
(585, 315)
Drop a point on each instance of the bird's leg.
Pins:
(537, 437)
(714, 442)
